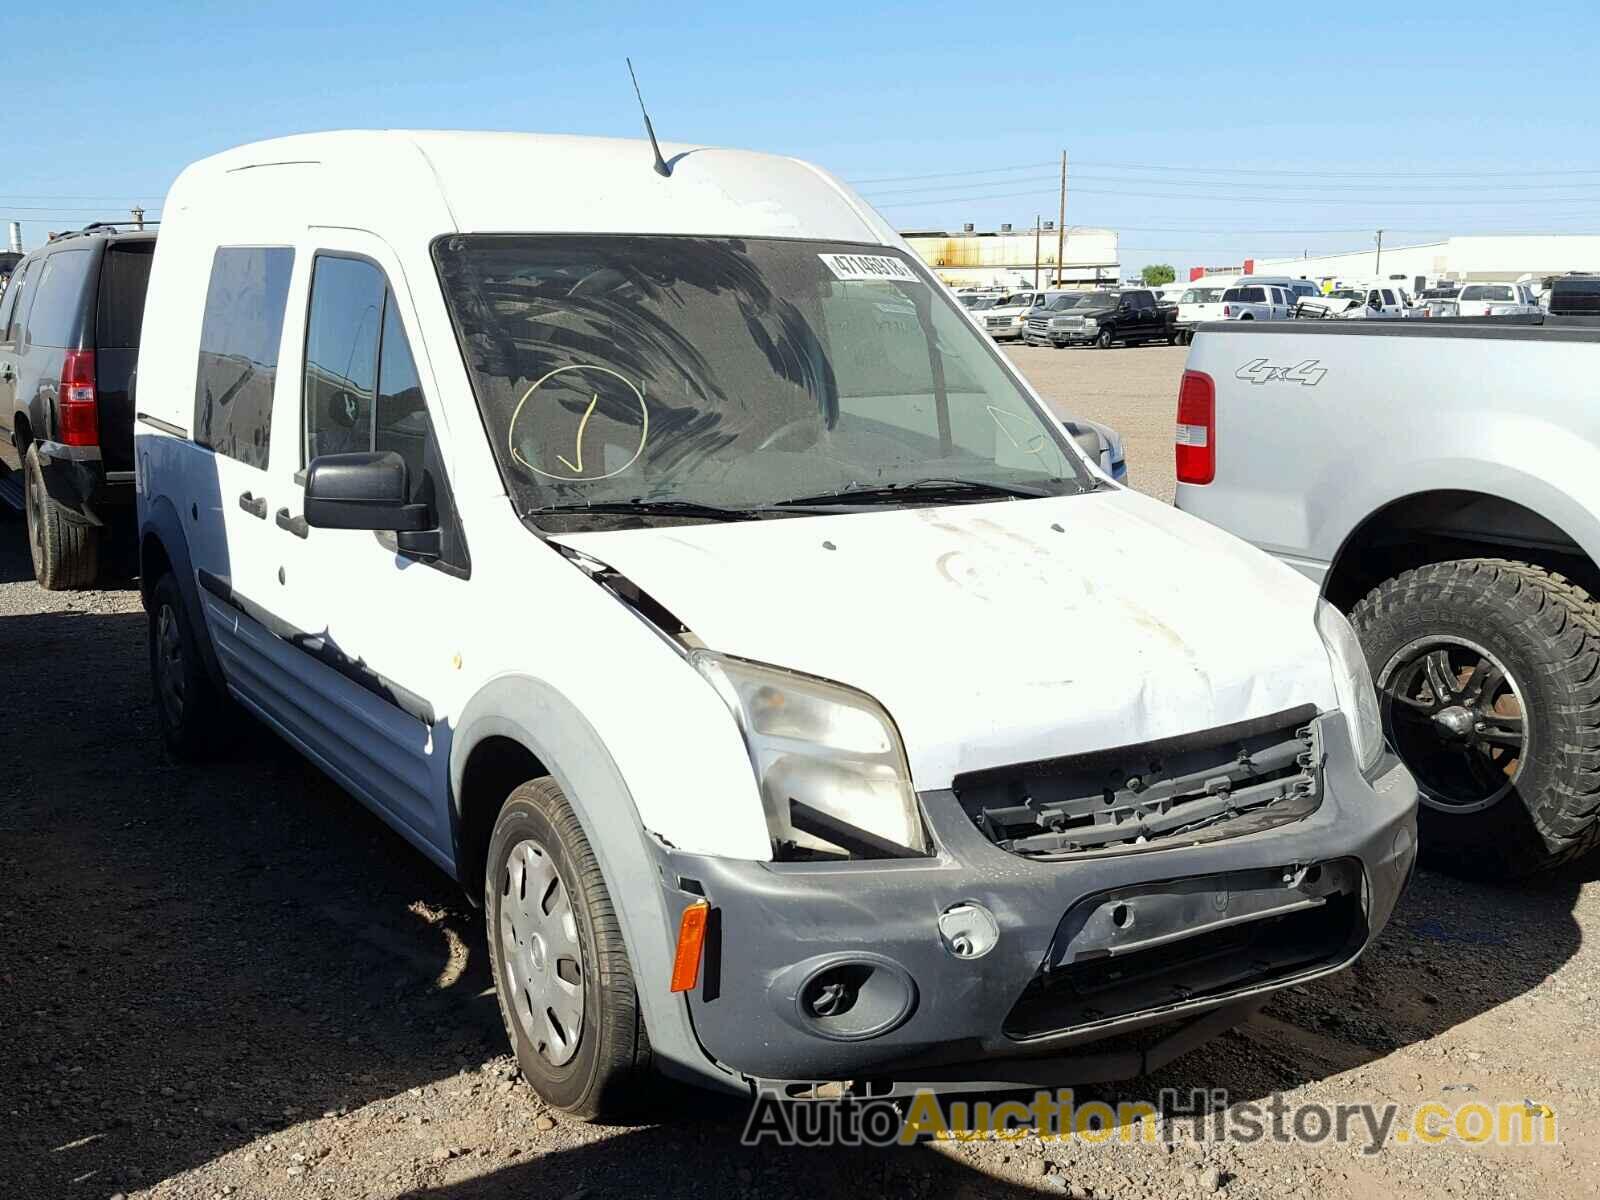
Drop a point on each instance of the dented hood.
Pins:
(1000, 632)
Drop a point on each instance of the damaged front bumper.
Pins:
(983, 965)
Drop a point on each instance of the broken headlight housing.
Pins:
(828, 760)
(1352, 684)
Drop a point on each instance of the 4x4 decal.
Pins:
(1306, 373)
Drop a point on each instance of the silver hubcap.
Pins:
(539, 942)
(1455, 715)
(169, 663)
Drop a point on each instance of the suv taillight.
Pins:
(1197, 428)
(79, 415)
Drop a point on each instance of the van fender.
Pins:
(544, 721)
(159, 519)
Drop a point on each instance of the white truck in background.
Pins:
(1440, 482)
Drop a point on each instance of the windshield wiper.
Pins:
(960, 489)
(650, 508)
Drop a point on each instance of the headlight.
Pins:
(1352, 683)
(822, 745)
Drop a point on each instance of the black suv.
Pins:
(69, 343)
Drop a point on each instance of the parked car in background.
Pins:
(1200, 302)
(1462, 535)
(1439, 301)
(1005, 320)
(1102, 318)
(1258, 302)
(1575, 296)
(1496, 300)
(1386, 300)
(862, 731)
(1168, 294)
(69, 341)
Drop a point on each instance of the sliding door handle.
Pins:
(256, 506)
(295, 525)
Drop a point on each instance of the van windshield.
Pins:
(732, 374)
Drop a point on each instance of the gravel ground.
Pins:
(232, 981)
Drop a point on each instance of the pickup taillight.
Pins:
(1227, 310)
(78, 414)
(1197, 428)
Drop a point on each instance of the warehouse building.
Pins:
(1007, 258)
(1494, 257)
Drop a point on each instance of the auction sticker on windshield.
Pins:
(879, 267)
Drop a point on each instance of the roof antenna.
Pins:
(661, 164)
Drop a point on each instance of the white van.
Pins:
(671, 561)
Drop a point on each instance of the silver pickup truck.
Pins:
(1441, 482)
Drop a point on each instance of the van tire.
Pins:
(1545, 634)
(65, 548)
(193, 716)
(608, 1074)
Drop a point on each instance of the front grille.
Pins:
(1198, 787)
(999, 322)
(1038, 325)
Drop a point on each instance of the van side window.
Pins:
(341, 378)
(239, 339)
(57, 315)
(360, 390)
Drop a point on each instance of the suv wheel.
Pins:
(190, 712)
(561, 971)
(1105, 339)
(1486, 683)
(65, 549)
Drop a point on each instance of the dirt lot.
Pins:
(235, 982)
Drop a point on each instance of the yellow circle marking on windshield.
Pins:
(575, 464)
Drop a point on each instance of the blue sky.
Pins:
(1202, 132)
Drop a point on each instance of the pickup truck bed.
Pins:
(1441, 481)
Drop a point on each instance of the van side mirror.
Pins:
(368, 490)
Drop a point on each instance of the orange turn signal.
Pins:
(691, 939)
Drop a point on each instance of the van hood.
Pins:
(1003, 632)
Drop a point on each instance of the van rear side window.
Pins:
(239, 340)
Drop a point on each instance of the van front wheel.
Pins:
(561, 971)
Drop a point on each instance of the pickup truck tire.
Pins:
(193, 717)
(1488, 676)
(65, 549)
(1105, 339)
(561, 970)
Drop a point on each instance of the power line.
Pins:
(1313, 188)
(954, 174)
(54, 196)
(109, 204)
(1348, 174)
(1190, 196)
(1250, 171)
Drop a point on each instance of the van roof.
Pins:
(430, 182)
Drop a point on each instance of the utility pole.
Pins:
(1377, 267)
(1038, 223)
(1061, 228)
(138, 217)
